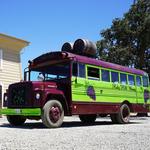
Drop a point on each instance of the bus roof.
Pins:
(96, 62)
(86, 60)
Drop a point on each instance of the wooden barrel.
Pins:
(84, 47)
(67, 47)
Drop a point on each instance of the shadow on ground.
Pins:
(69, 124)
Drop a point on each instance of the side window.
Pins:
(123, 78)
(131, 80)
(138, 81)
(82, 70)
(114, 77)
(93, 73)
(105, 75)
(145, 81)
(75, 69)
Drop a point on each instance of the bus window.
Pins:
(75, 69)
(82, 70)
(93, 73)
(131, 80)
(138, 81)
(115, 77)
(123, 78)
(145, 81)
(105, 75)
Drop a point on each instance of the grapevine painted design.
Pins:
(91, 92)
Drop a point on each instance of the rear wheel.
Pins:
(16, 120)
(53, 114)
(88, 118)
(123, 116)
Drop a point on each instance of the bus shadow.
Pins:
(68, 124)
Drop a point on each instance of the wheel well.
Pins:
(129, 104)
(61, 99)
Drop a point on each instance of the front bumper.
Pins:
(21, 111)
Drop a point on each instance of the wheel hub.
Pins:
(54, 114)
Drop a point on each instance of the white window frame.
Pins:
(1, 59)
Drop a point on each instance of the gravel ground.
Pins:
(102, 135)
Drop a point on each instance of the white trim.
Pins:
(1, 59)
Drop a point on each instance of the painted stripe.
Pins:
(23, 111)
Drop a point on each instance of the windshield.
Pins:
(51, 72)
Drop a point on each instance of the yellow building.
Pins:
(10, 64)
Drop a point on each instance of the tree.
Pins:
(127, 41)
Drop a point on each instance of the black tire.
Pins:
(123, 116)
(113, 118)
(16, 120)
(88, 118)
(52, 114)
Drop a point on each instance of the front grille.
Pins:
(20, 94)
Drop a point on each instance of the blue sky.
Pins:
(47, 24)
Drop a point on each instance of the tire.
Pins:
(88, 118)
(52, 114)
(123, 116)
(16, 120)
(113, 118)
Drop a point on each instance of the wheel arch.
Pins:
(61, 99)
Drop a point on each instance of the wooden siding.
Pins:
(11, 69)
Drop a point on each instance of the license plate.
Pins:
(18, 111)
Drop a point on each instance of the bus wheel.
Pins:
(123, 116)
(88, 118)
(113, 118)
(16, 120)
(53, 114)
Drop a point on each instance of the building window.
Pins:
(1, 58)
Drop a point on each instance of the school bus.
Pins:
(70, 84)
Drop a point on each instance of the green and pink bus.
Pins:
(70, 84)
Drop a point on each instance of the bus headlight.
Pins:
(37, 96)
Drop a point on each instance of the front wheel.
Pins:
(16, 120)
(53, 114)
(88, 118)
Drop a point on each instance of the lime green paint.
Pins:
(107, 91)
(23, 111)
